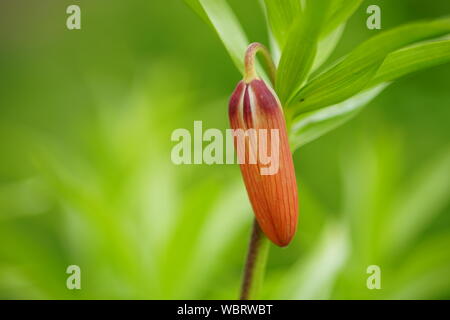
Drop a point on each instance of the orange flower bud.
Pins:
(272, 191)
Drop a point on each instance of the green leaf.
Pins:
(281, 14)
(198, 9)
(312, 274)
(412, 59)
(225, 23)
(420, 201)
(300, 48)
(340, 11)
(312, 125)
(326, 46)
(422, 272)
(353, 73)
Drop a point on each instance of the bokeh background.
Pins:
(86, 177)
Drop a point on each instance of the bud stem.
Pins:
(250, 57)
(255, 265)
(258, 250)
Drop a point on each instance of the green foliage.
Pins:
(412, 59)
(299, 31)
(339, 12)
(86, 176)
(281, 15)
(353, 73)
(300, 48)
(311, 125)
(219, 15)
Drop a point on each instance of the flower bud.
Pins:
(271, 185)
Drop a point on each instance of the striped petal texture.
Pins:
(265, 158)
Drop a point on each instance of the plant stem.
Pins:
(255, 264)
(250, 56)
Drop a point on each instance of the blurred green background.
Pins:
(86, 177)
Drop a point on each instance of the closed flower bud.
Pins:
(263, 151)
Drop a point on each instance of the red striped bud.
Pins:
(264, 154)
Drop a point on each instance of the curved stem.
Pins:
(255, 264)
(250, 57)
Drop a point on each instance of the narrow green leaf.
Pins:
(356, 70)
(340, 12)
(312, 125)
(326, 46)
(300, 48)
(424, 271)
(420, 201)
(412, 59)
(274, 47)
(281, 15)
(198, 9)
(225, 23)
(313, 273)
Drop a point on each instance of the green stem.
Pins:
(250, 57)
(255, 265)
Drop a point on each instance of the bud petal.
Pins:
(273, 195)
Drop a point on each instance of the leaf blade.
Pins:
(281, 14)
(340, 11)
(421, 200)
(312, 125)
(412, 59)
(355, 71)
(300, 48)
(222, 19)
(326, 46)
